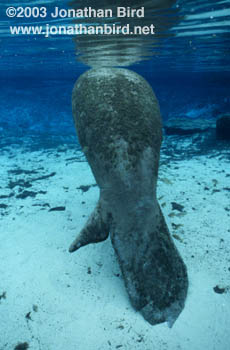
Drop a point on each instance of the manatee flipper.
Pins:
(94, 231)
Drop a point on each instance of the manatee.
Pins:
(118, 123)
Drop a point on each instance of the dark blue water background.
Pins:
(190, 74)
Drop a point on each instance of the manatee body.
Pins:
(118, 123)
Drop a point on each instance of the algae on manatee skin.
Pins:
(131, 126)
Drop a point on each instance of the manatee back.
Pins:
(110, 104)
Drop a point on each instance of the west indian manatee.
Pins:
(118, 123)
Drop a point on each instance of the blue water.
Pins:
(190, 73)
(44, 105)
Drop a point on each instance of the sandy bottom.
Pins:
(54, 300)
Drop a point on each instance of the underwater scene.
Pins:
(115, 175)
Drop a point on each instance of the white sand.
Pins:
(69, 307)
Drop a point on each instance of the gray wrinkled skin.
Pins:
(118, 122)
